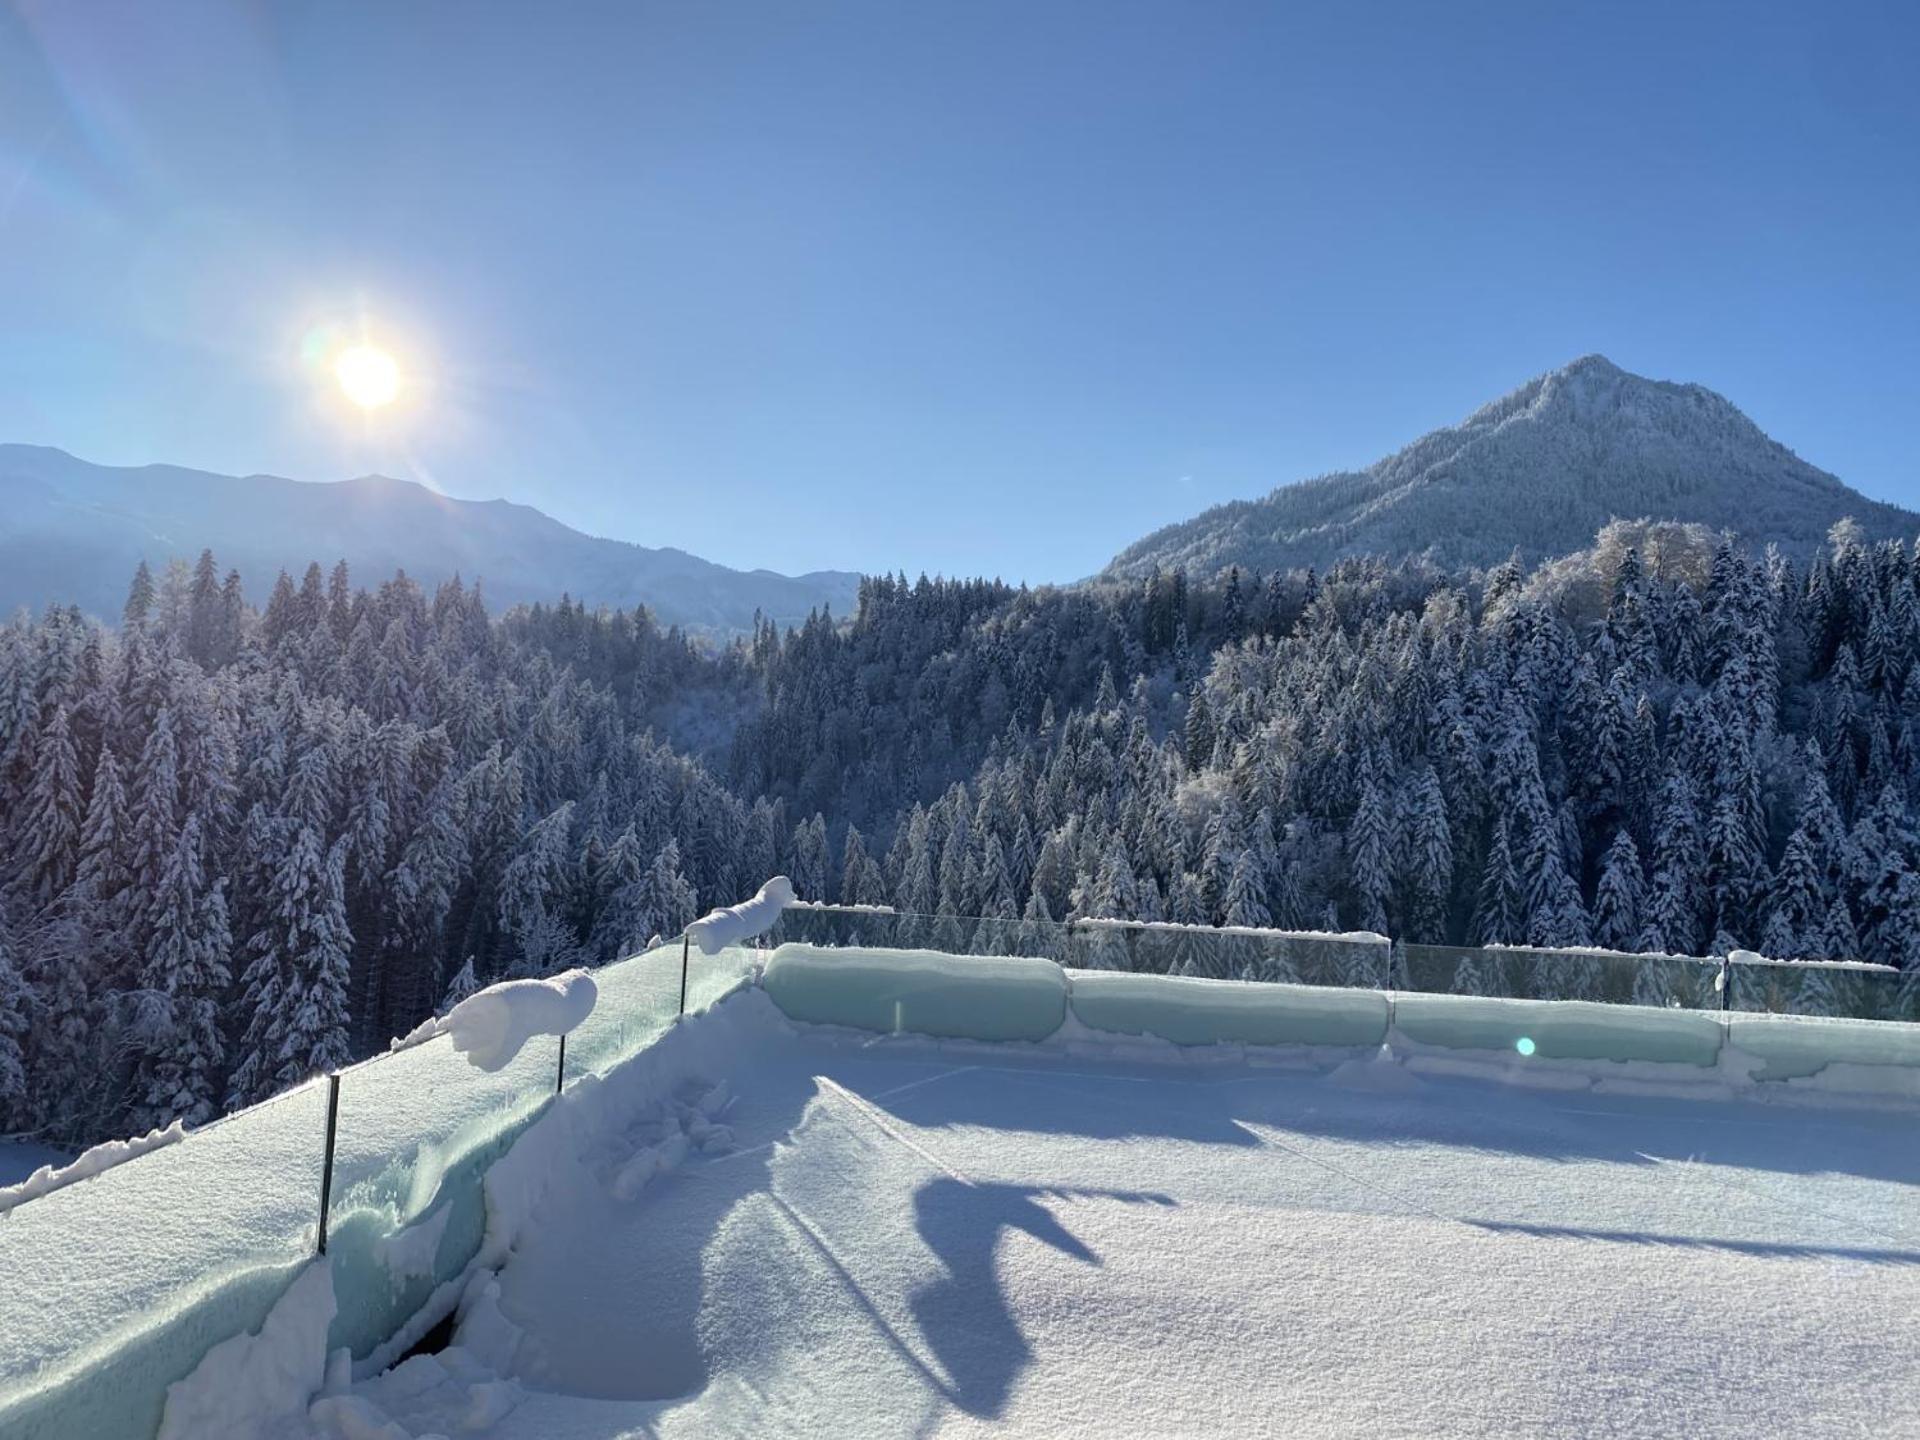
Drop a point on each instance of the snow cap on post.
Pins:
(492, 1026)
(717, 929)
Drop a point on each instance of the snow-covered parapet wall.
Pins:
(1191, 1011)
(1577, 1044)
(717, 929)
(491, 1026)
(975, 997)
(88, 1164)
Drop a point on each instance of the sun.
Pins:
(368, 375)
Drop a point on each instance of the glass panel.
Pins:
(1139, 947)
(417, 1129)
(1672, 981)
(115, 1287)
(639, 997)
(711, 978)
(1791, 987)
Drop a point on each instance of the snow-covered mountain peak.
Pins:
(1541, 470)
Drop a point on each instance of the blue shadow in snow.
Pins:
(963, 1317)
(1777, 1250)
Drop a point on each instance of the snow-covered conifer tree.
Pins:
(185, 965)
(1619, 896)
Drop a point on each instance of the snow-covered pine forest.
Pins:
(241, 846)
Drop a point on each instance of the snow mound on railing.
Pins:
(491, 1026)
(88, 1164)
(1749, 957)
(1105, 922)
(1579, 952)
(717, 929)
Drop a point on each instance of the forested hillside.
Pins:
(244, 846)
(71, 531)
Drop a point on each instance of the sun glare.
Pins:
(368, 376)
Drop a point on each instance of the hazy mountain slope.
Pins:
(1541, 469)
(71, 531)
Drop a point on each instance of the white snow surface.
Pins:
(1098, 1236)
(57, 1173)
(491, 1026)
(247, 1383)
(717, 929)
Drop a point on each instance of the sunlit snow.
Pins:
(896, 1236)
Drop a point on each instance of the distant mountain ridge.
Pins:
(71, 532)
(1540, 470)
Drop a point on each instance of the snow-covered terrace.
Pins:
(1086, 1238)
(877, 1192)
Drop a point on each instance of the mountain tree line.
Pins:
(242, 846)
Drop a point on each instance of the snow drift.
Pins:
(493, 1025)
(87, 1164)
(718, 929)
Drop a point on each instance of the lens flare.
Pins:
(1524, 1045)
(368, 375)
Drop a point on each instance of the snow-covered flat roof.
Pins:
(876, 1236)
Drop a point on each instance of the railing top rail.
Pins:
(1748, 957)
(1091, 922)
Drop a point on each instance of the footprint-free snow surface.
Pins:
(906, 1238)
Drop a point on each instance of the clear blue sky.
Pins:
(969, 287)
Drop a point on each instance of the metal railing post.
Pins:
(560, 1074)
(1726, 983)
(326, 1165)
(686, 953)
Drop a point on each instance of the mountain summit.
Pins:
(1540, 470)
(71, 532)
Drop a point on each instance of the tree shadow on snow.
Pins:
(1780, 1250)
(1458, 1112)
(964, 1317)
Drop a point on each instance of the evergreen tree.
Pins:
(1555, 915)
(1244, 902)
(1499, 907)
(1620, 895)
(658, 904)
(1672, 909)
(861, 882)
(294, 997)
(1370, 851)
(14, 1001)
(54, 810)
(186, 969)
(459, 987)
(133, 615)
(1427, 867)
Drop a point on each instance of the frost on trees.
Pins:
(1656, 743)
